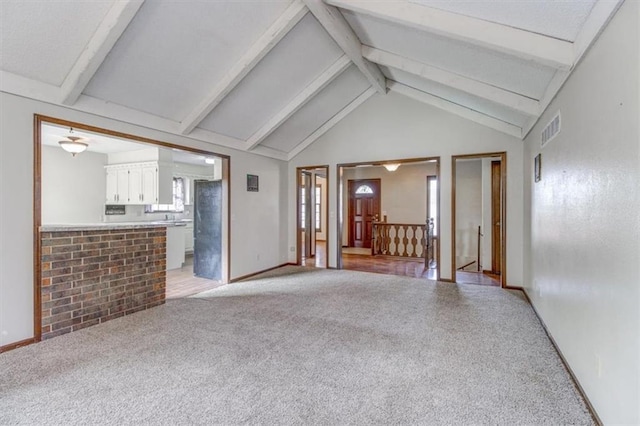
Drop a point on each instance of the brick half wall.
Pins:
(89, 277)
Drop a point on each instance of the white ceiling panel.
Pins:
(516, 75)
(170, 54)
(299, 58)
(331, 100)
(475, 103)
(558, 19)
(42, 40)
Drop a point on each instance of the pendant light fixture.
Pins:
(73, 145)
(392, 167)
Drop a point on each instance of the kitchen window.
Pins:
(178, 200)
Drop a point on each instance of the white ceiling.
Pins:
(272, 76)
(104, 144)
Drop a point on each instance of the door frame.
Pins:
(351, 183)
(340, 205)
(503, 200)
(299, 171)
(38, 121)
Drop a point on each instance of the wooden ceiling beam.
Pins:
(280, 28)
(523, 44)
(514, 101)
(299, 101)
(456, 109)
(338, 28)
(109, 31)
(331, 122)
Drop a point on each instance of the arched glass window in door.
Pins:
(364, 189)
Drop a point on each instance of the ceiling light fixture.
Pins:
(392, 167)
(73, 145)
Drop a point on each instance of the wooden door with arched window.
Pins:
(364, 209)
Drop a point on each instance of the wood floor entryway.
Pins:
(182, 283)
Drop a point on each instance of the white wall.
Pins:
(468, 210)
(322, 235)
(73, 188)
(258, 219)
(403, 197)
(395, 127)
(584, 222)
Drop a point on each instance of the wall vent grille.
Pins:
(552, 129)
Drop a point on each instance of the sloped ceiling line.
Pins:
(332, 122)
(456, 109)
(280, 28)
(338, 28)
(501, 96)
(101, 43)
(512, 41)
(299, 101)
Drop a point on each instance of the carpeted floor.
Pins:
(302, 346)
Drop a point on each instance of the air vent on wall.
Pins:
(551, 130)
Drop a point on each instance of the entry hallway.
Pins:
(305, 346)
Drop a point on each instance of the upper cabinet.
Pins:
(139, 183)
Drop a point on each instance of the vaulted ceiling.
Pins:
(272, 76)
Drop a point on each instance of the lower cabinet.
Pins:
(175, 247)
(188, 238)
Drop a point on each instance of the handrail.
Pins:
(404, 240)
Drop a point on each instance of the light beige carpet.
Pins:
(302, 346)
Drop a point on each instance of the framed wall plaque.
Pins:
(252, 183)
(537, 168)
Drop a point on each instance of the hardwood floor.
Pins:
(388, 265)
(182, 283)
(478, 278)
(320, 259)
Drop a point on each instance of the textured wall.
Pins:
(89, 277)
(584, 234)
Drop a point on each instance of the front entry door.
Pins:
(364, 209)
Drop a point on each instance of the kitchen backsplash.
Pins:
(137, 214)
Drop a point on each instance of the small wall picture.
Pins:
(537, 168)
(252, 183)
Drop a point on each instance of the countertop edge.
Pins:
(107, 226)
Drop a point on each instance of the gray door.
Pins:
(207, 230)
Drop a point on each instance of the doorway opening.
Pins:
(479, 219)
(388, 217)
(312, 216)
(123, 179)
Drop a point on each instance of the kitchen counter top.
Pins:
(111, 225)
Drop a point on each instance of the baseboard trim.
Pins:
(253, 274)
(16, 345)
(510, 287)
(576, 383)
(446, 280)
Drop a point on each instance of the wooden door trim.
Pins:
(340, 206)
(299, 171)
(495, 264)
(38, 121)
(503, 172)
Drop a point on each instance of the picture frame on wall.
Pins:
(252, 183)
(537, 168)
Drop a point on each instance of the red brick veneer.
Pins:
(89, 277)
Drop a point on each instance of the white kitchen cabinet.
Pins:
(139, 183)
(188, 238)
(117, 186)
(175, 247)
